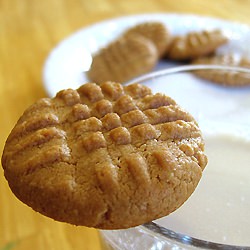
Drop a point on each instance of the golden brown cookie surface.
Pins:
(104, 156)
(195, 44)
(226, 78)
(156, 32)
(123, 59)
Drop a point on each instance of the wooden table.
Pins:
(29, 29)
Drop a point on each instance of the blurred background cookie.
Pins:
(226, 78)
(195, 44)
(123, 59)
(156, 32)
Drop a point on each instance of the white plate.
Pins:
(66, 64)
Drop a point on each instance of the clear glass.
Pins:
(217, 215)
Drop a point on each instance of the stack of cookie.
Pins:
(139, 48)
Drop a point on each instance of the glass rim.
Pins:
(184, 239)
(187, 68)
(155, 228)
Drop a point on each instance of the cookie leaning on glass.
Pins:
(105, 156)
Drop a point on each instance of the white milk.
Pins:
(219, 209)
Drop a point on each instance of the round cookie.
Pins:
(123, 59)
(195, 44)
(227, 78)
(156, 32)
(105, 156)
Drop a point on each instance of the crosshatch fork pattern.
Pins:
(124, 132)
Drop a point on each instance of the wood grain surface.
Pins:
(29, 29)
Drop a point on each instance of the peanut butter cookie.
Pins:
(123, 59)
(105, 156)
(195, 44)
(156, 32)
(226, 78)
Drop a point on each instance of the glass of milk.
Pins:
(217, 215)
